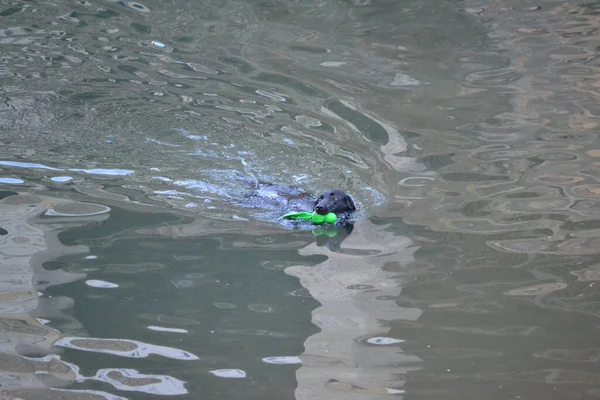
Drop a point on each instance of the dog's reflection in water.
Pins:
(333, 236)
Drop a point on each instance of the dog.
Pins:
(341, 204)
(285, 198)
(334, 201)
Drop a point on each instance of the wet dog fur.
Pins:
(334, 201)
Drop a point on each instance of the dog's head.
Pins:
(335, 201)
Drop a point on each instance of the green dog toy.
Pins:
(315, 218)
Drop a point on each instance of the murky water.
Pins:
(138, 262)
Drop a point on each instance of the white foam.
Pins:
(229, 373)
(384, 340)
(141, 349)
(165, 329)
(61, 179)
(283, 360)
(101, 284)
(27, 165)
(11, 181)
(102, 171)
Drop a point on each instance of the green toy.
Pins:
(315, 218)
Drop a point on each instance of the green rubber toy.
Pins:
(315, 218)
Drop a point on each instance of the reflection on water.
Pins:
(352, 353)
(141, 257)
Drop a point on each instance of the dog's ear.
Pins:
(350, 203)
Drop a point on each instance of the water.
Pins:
(137, 261)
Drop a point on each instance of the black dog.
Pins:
(340, 203)
(285, 198)
(334, 201)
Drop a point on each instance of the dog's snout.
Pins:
(320, 209)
